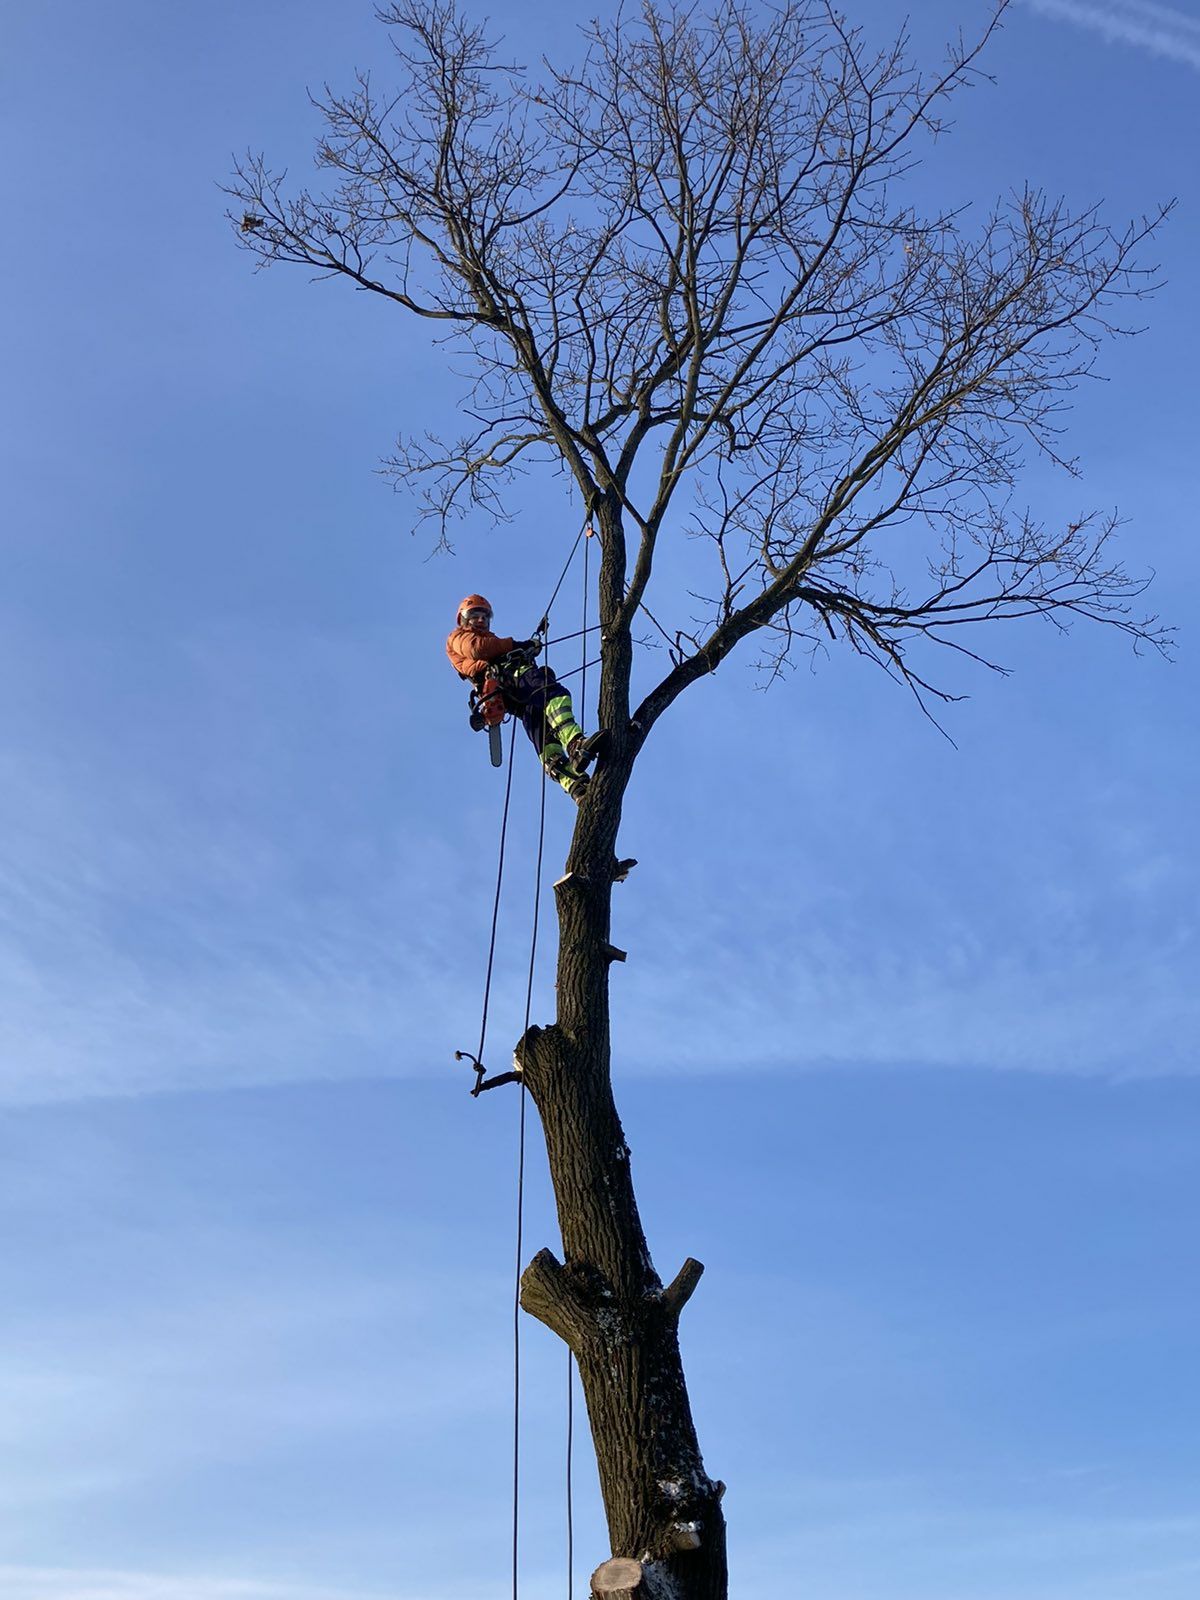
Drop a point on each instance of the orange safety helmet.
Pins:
(473, 602)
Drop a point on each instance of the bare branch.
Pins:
(689, 262)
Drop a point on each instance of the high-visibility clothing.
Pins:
(544, 706)
(530, 692)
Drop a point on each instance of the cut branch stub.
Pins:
(572, 880)
(681, 1288)
(548, 1294)
(618, 1579)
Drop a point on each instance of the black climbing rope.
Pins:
(537, 900)
(583, 635)
(584, 630)
(565, 638)
(483, 1082)
(570, 1440)
(545, 622)
(465, 1055)
(563, 676)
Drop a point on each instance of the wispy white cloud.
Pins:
(1160, 30)
(251, 891)
(1067, 952)
(128, 1395)
(78, 1583)
(144, 949)
(948, 1000)
(217, 1390)
(937, 1542)
(101, 1583)
(279, 926)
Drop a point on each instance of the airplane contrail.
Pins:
(1161, 30)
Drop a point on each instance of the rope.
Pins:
(565, 638)
(570, 1440)
(491, 960)
(584, 633)
(487, 990)
(516, 1517)
(545, 622)
(575, 671)
(533, 943)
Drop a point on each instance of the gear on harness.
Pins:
(487, 712)
(505, 679)
(486, 701)
(487, 705)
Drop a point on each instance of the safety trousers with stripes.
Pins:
(535, 695)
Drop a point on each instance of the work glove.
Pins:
(528, 647)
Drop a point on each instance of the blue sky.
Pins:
(905, 1041)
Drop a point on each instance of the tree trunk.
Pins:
(605, 1299)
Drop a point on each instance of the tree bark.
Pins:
(605, 1299)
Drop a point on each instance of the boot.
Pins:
(584, 749)
(559, 768)
(576, 785)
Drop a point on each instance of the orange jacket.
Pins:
(472, 653)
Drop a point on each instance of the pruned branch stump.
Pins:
(618, 1579)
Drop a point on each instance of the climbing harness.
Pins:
(486, 703)
(486, 707)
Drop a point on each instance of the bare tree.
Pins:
(685, 263)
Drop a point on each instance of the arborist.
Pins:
(502, 670)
